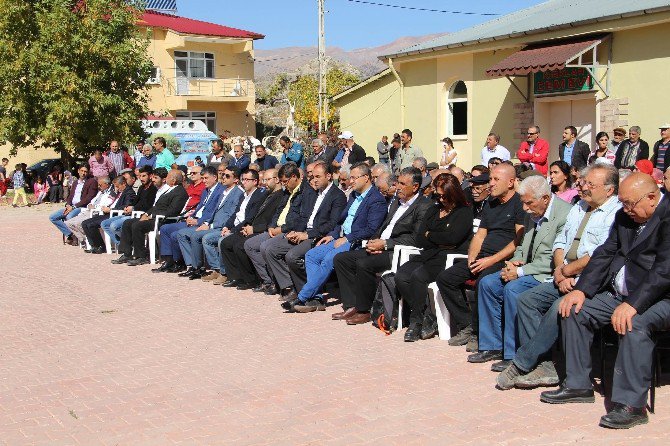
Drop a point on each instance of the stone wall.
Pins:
(523, 118)
(613, 114)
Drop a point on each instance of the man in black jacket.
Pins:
(356, 270)
(170, 200)
(625, 283)
(661, 153)
(319, 213)
(573, 151)
(631, 150)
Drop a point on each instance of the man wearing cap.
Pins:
(351, 153)
(619, 134)
(661, 148)
(478, 193)
(534, 150)
(631, 150)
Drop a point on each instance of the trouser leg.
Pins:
(126, 244)
(295, 263)
(197, 251)
(228, 259)
(91, 228)
(577, 330)
(140, 229)
(450, 282)
(319, 265)
(115, 228)
(210, 246)
(254, 250)
(168, 240)
(511, 293)
(183, 237)
(490, 299)
(367, 269)
(495, 268)
(58, 220)
(246, 269)
(412, 282)
(274, 253)
(345, 267)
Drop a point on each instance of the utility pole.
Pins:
(323, 96)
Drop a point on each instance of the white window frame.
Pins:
(450, 113)
(195, 56)
(155, 77)
(209, 116)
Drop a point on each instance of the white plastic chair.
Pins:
(151, 235)
(108, 241)
(401, 254)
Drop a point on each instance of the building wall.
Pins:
(28, 155)
(422, 104)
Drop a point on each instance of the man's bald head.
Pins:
(458, 173)
(639, 195)
(501, 181)
(174, 177)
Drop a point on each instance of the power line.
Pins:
(414, 8)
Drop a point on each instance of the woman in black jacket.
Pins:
(446, 229)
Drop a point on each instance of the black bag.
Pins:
(384, 312)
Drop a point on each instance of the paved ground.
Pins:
(93, 353)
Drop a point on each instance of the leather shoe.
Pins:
(429, 327)
(246, 286)
(271, 289)
(564, 395)
(260, 288)
(231, 283)
(123, 259)
(485, 356)
(138, 262)
(359, 318)
(95, 250)
(161, 269)
(624, 417)
(289, 305)
(413, 333)
(176, 268)
(344, 315)
(500, 365)
(187, 273)
(288, 294)
(196, 274)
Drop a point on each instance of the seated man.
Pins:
(105, 196)
(499, 234)
(194, 189)
(357, 270)
(530, 266)
(240, 160)
(170, 199)
(320, 211)
(240, 270)
(190, 239)
(225, 214)
(202, 213)
(478, 193)
(626, 284)
(81, 193)
(587, 226)
(143, 201)
(363, 215)
(287, 218)
(125, 195)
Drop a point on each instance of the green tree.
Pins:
(72, 73)
(304, 93)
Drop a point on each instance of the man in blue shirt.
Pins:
(292, 152)
(573, 151)
(148, 158)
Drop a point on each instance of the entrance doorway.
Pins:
(554, 114)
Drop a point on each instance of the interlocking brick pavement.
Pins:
(99, 354)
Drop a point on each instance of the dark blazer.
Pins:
(452, 234)
(241, 163)
(369, 216)
(642, 154)
(127, 198)
(170, 204)
(269, 162)
(580, 154)
(209, 209)
(145, 198)
(255, 202)
(294, 220)
(647, 259)
(88, 192)
(328, 154)
(655, 155)
(261, 221)
(329, 212)
(406, 228)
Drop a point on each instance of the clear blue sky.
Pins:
(348, 25)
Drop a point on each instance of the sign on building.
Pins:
(562, 81)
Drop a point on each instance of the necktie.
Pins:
(529, 256)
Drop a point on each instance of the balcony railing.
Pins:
(227, 88)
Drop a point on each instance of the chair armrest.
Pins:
(401, 254)
(453, 257)
(475, 224)
(136, 214)
(116, 212)
(157, 222)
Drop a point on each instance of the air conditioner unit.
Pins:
(156, 76)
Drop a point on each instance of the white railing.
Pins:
(210, 87)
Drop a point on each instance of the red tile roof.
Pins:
(536, 59)
(191, 26)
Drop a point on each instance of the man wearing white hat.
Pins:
(660, 156)
(351, 153)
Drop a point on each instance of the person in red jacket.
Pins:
(534, 150)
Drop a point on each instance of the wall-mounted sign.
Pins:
(562, 81)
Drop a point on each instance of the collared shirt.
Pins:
(100, 168)
(164, 159)
(596, 231)
(164, 189)
(662, 154)
(317, 205)
(78, 188)
(567, 152)
(103, 199)
(18, 180)
(498, 151)
(405, 156)
(240, 216)
(538, 224)
(209, 195)
(402, 208)
(348, 222)
(281, 221)
(147, 161)
(117, 160)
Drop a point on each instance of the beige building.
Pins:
(201, 71)
(597, 66)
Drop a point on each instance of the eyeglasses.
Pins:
(439, 196)
(194, 173)
(630, 207)
(355, 178)
(588, 184)
(265, 180)
(531, 133)
(249, 179)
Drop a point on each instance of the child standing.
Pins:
(19, 186)
(41, 190)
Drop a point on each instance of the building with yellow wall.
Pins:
(596, 64)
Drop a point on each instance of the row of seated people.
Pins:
(540, 265)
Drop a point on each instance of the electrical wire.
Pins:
(415, 8)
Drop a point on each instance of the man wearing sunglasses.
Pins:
(534, 150)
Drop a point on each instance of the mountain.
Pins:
(290, 59)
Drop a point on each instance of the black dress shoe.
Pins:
(123, 259)
(161, 269)
(259, 288)
(271, 289)
(289, 305)
(624, 417)
(196, 274)
(428, 327)
(230, 283)
(413, 333)
(98, 250)
(138, 262)
(564, 395)
(500, 365)
(246, 286)
(187, 273)
(175, 268)
(485, 356)
(288, 294)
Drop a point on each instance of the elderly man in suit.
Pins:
(357, 270)
(625, 284)
(530, 265)
(170, 200)
(363, 215)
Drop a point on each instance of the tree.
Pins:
(72, 73)
(304, 93)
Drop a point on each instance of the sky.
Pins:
(349, 24)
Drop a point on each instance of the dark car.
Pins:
(43, 168)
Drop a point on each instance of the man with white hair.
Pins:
(530, 265)
(421, 163)
(377, 170)
(321, 152)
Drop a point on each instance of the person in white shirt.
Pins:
(104, 198)
(493, 149)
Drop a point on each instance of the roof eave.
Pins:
(361, 84)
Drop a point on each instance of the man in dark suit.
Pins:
(125, 197)
(631, 150)
(319, 213)
(573, 151)
(321, 152)
(170, 200)
(363, 215)
(626, 284)
(356, 270)
(240, 160)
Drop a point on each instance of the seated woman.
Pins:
(446, 229)
(561, 181)
(603, 152)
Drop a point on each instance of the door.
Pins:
(181, 69)
(553, 116)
